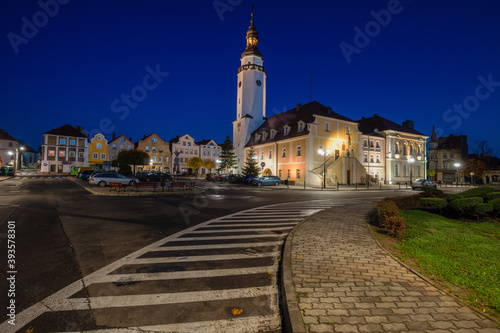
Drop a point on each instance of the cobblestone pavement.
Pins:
(344, 282)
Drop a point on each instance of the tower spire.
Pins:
(252, 39)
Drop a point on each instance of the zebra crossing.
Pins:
(217, 276)
(39, 177)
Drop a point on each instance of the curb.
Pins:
(292, 316)
(7, 178)
(460, 301)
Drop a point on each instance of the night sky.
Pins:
(434, 62)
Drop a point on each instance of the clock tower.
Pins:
(251, 96)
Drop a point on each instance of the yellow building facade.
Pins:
(292, 145)
(98, 150)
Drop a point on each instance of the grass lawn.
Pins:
(464, 257)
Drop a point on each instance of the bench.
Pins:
(116, 186)
(146, 185)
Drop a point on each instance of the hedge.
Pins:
(478, 192)
(495, 203)
(389, 219)
(465, 204)
(431, 192)
(453, 196)
(483, 208)
(406, 202)
(492, 195)
(433, 203)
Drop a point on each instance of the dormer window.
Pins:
(264, 136)
(273, 133)
(286, 129)
(257, 137)
(301, 126)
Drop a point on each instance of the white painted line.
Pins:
(228, 231)
(228, 237)
(146, 261)
(234, 325)
(165, 298)
(262, 219)
(228, 224)
(215, 246)
(180, 275)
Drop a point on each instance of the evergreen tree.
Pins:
(251, 164)
(227, 155)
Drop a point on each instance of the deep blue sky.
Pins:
(427, 59)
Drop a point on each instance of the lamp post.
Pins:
(457, 165)
(324, 153)
(21, 157)
(472, 178)
(410, 162)
(12, 159)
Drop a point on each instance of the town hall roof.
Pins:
(66, 130)
(368, 125)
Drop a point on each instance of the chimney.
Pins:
(114, 135)
(298, 107)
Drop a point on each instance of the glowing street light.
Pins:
(323, 153)
(457, 165)
(410, 162)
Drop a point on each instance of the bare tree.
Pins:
(482, 148)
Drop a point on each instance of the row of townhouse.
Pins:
(68, 146)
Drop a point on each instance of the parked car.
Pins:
(221, 178)
(10, 171)
(210, 175)
(419, 183)
(233, 176)
(104, 178)
(156, 177)
(267, 180)
(85, 174)
(249, 179)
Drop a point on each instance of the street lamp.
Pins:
(410, 162)
(12, 159)
(324, 154)
(471, 178)
(457, 165)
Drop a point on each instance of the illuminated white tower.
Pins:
(251, 101)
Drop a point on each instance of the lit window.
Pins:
(153, 140)
(114, 146)
(99, 138)
(62, 141)
(147, 148)
(99, 146)
(154, 148)
(52, 153)
(72, 142)
(121, 147)
(62, 153)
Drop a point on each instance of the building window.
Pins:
(62, 153)
(103, 156)
(113, 157)
(288, 173)
(445, 165)
(121, 147)
(299, 150)
(183, 143)
(72, 142)
(284, 153)
(182, 151)
(99, 146)
(153, 158)
(378, 159)
(160, 159)
(298, 173)
(114, 146)
(129, 147)
(95, 156)
(160, 149)
(280, 175)
(10, 144)
(396, 170)
(371, 158)
(365, 159)
(62, 141)
(52, 153)
(189, 143)
(122, 139)
(301, 127)
(261, 156)
(270, 154)
(71, 154)
(147, 148)
(153, 140)
(418, 171)
(378, 144)
(154, 148)
(452, 155)
(190, 151)
(404, 170)
(365, 143)
(80, 155)
(327, 127)
(371, 143)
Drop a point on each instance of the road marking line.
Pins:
(216, 246)
(229, 231)
(180, 275)
(263, 220)
(221, 257)
(163, 298)
(229, 237)
(228, 224)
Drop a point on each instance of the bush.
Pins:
(431, 192)
(406, 202)
(483, 208)
(211, 179)
(495, 203)
(433, 203)
(125, 170)
(453, 196)
(465, 204)
(478, 192)
(492, 196)
(389, 219)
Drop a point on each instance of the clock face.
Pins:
(259, 83)
(239, 85)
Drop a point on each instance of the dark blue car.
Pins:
(267, 180)
(248, 179)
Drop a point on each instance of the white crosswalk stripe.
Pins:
(223, 249)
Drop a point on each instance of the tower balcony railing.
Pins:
(248, 67)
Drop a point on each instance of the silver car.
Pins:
(104, 178)
(419, 183)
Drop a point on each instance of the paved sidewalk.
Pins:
(344, 282)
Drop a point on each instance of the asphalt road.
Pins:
(63, 233)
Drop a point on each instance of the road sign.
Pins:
(263, 164)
